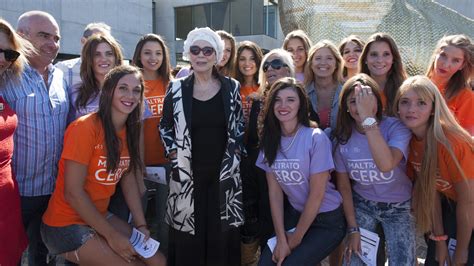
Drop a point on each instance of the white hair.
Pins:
(204, 34)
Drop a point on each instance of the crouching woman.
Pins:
(100, 149)
(297, 160)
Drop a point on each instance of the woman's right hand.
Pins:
(281, 251)
(121, 245)
(441, 254)
(352, 246)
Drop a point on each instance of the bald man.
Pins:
(41, 104)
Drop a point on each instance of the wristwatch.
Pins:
(369, 122)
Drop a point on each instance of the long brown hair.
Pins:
(227, 69)
(164, 71)
(460, 79)
(257, 55)
(132, 124)
(271, 132)
(351, 38)
(442, 126)
(90, 86)
(345, 121)
(395, 76)
(303, 37)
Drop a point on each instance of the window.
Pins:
(239, 17)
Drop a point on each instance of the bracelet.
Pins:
(353, 230)
(138, 226)
(438, 238)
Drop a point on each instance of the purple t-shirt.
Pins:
(299, 76)
(310, 153)
(91, 106)
(355, 159)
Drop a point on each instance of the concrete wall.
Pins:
(129, 19)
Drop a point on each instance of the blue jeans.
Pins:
(397, 223)
(32, 209)
(323, 236)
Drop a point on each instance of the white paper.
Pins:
(145, 249)
(156, 174)
(451, 248)
(369, 242)
(272, 242)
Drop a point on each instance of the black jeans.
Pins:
(323, 236)
(449, 224)
(32, 209)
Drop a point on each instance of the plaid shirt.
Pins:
(38, 139)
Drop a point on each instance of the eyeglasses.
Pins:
(275, 64)
(207, 51)
(10, 55)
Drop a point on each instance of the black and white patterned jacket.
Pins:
(175, 129)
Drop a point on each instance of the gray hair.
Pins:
(100, 26)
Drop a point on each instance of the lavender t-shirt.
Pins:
(355, 159)
(310, 153)
(92, 104)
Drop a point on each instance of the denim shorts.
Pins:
(63, 239)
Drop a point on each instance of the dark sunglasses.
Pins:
(275, 64)
(10, 55)
(207, 51)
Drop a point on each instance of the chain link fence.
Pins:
(416, 25)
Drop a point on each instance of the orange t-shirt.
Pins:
(247, 103)
(155, 91)
(462, 106)
(84, 143)
(447, 173)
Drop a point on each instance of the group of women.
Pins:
(308, 143)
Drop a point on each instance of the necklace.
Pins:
(292, 141)
(328, 122)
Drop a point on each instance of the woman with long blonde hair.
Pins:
(440, 162)
(450, 68)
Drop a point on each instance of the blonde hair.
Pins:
(18, 44)
(303, 37)
(308, 71)
(442, 126)
(460, 79)
(285, 56)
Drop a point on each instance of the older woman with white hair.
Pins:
(203, 111)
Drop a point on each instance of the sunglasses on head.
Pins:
(207, 51)
(10, 55)
(275, 64)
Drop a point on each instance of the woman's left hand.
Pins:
(293, 240)
(145, 231)
(365, 101)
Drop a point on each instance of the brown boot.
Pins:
(250, 253)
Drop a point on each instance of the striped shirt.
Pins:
(72, 72)
(38, 140)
